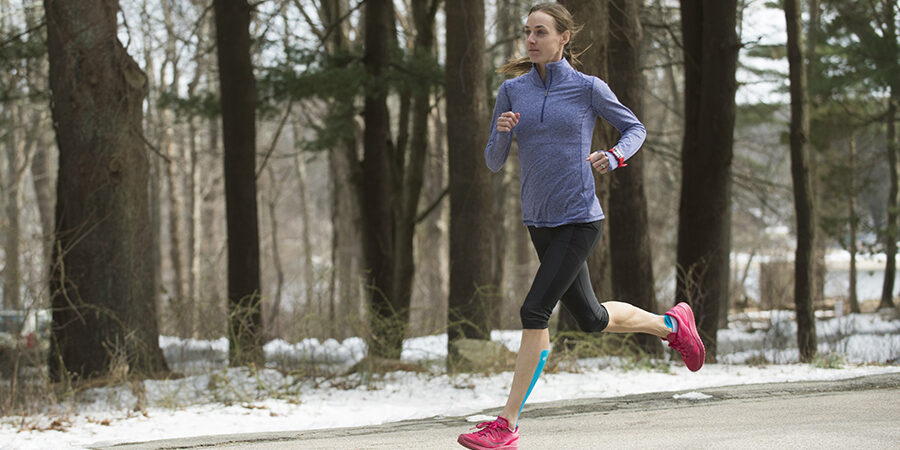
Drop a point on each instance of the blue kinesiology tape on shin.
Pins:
(537, 373)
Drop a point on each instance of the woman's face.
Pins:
(543, 42)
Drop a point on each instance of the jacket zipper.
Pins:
(546, 92)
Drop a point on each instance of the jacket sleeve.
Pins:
(497, 149)
(607, 105)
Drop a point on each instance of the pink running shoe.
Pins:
(686, 340)
(491, 435)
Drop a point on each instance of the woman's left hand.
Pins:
(599, 160)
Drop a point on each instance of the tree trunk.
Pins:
(804, 204)
(423, 13)
(15, 160)
(104, 316)
(151, 133)
(238, 97)
(177, 298)
(632, 262)
(196, 226)
(273, 327)
(470, 184)
(431, 244)
(386, 318)
(309, 276)
(42, 179)
(345, 291)
(893, 147)
(704, 226)
(852, 296)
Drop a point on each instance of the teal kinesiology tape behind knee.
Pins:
(537, 373)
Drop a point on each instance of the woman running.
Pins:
(552, 108)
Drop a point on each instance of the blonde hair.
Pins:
(564, 22)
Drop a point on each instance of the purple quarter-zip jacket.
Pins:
(554, 133)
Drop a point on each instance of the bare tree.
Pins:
(804, 202)
(470, 184)
(238, 94)
(704, 219)
(104, 316)
(631, 258)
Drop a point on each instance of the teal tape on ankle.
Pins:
(537, 373)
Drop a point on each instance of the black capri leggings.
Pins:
(563, 275)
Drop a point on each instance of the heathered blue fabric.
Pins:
(554, 133)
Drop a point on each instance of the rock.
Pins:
(477, 355)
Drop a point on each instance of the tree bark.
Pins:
(238, 97)
(632, 261)
(470, 184)
(387, 318)
(893, 147)
(309, 276)
(413, 171)
(274, 324)
(104, 316)
(704, 225)
(804, 204)
(15, 160)
(852, 246)
(346, 288)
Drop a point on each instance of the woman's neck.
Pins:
(542, 67)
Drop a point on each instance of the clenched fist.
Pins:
(507, 121)
(600, 161)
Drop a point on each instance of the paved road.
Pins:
(859, 413)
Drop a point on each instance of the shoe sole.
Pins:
(473, 446)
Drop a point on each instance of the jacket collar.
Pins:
(559, 70)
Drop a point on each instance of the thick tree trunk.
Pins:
(104, 316)
(704, 227)
(238, 97)
(893, 147)
(387, 318)
(470, 185)
(804, 203)
(632, 262)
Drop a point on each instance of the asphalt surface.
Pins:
(858, 413)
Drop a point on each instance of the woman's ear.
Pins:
(565, 37)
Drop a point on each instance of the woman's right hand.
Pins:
(507, 121)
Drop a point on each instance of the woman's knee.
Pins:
(594, 323)
(534, 316)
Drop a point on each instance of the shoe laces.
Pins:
(494, 429)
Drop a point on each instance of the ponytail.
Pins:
(517, 67)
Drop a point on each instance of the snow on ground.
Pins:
(218, 400)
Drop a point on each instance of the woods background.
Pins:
(299, 169)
